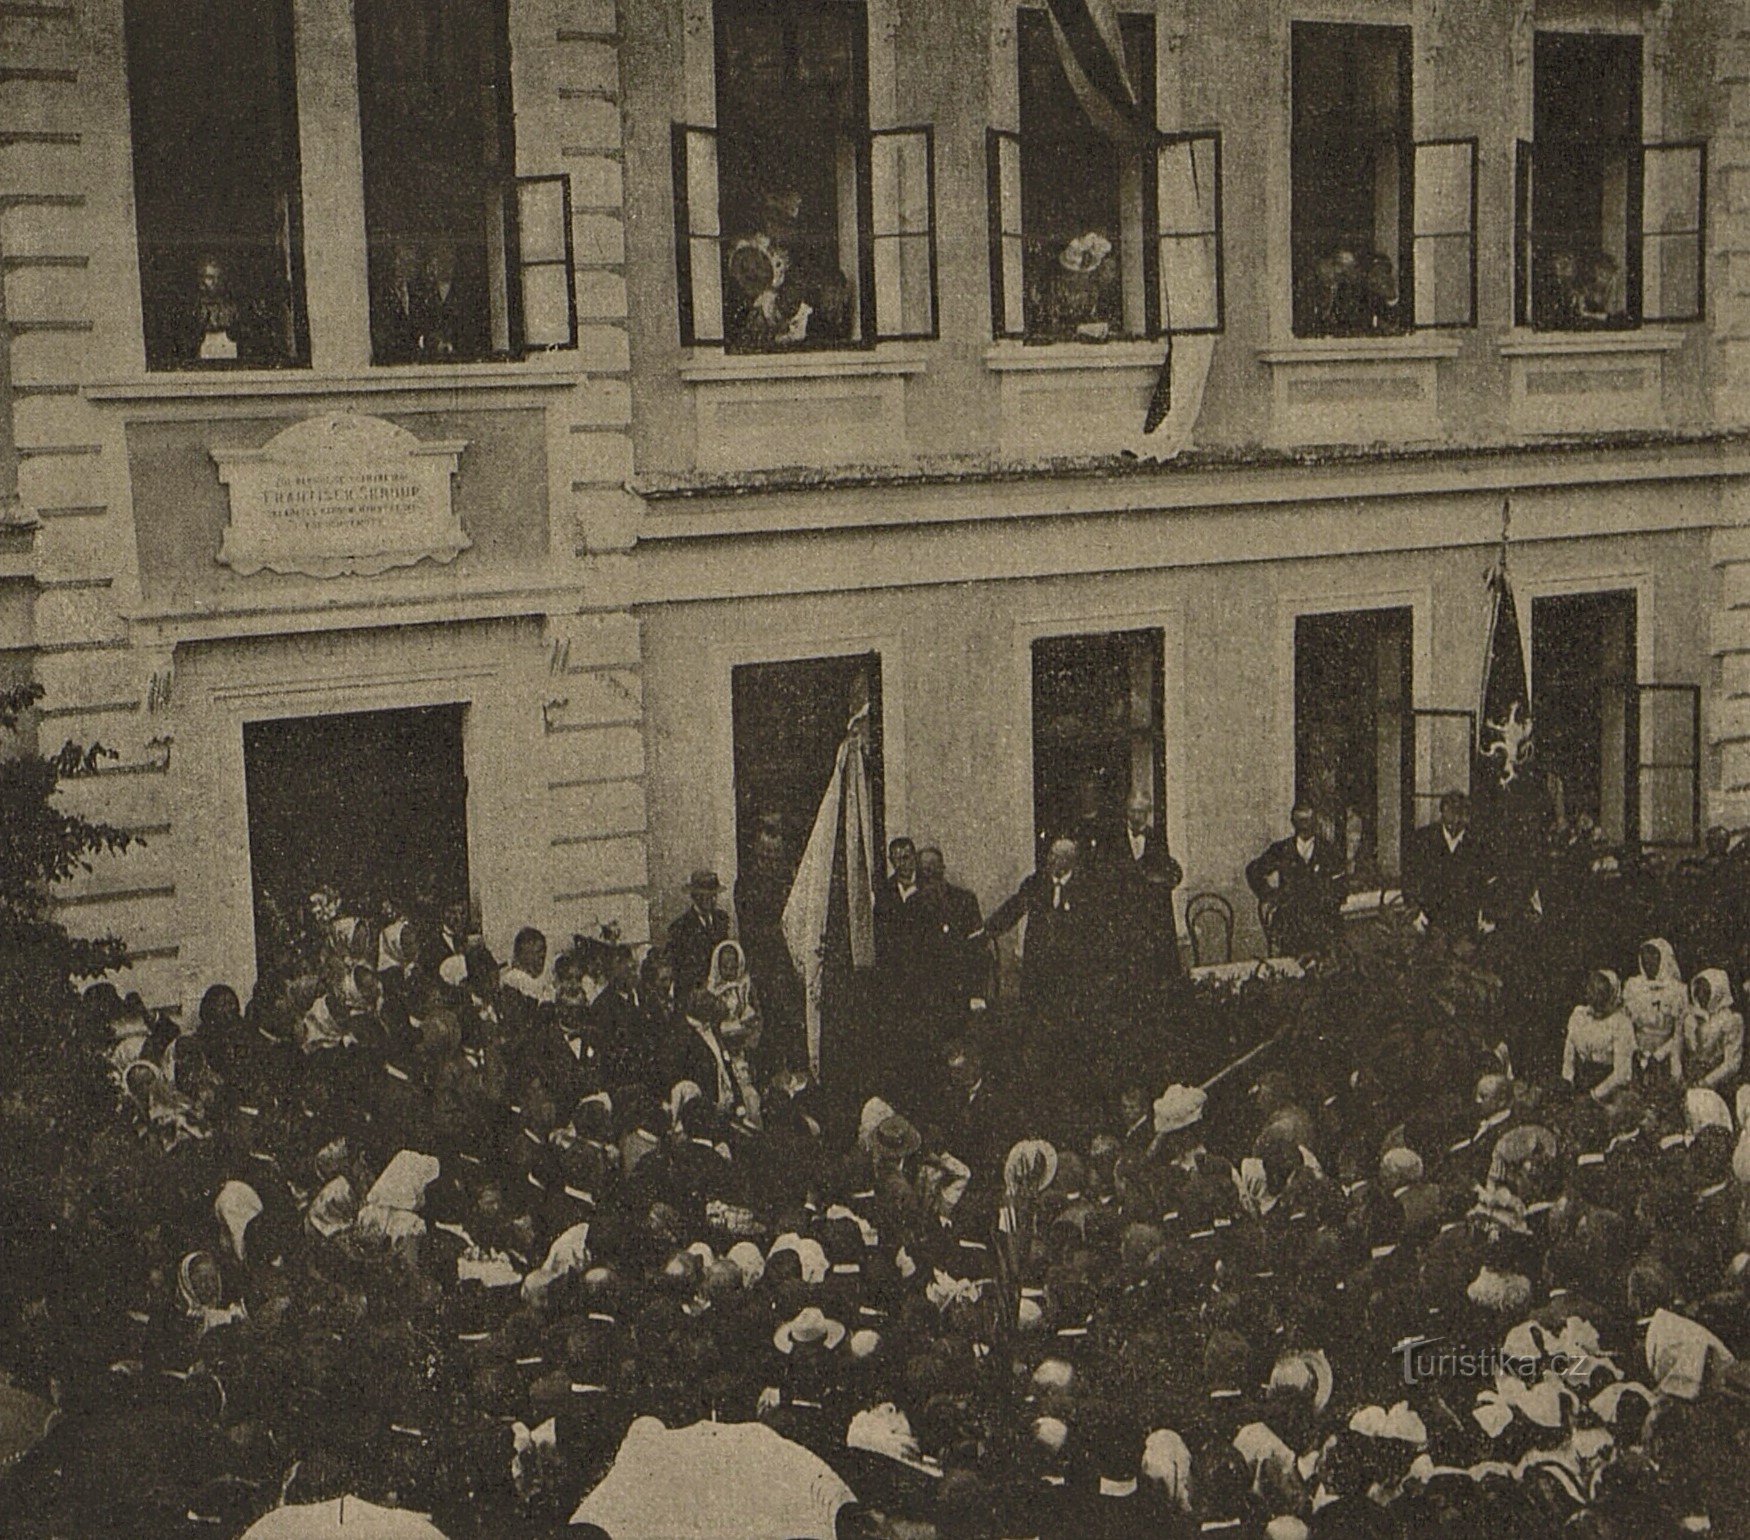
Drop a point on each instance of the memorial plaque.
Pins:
(341, 493)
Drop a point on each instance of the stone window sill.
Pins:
(1026, 357)
(1412, 347)
(1530, 344)
(180, 385)
(713, 368)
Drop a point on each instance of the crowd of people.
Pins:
(1461, 1248)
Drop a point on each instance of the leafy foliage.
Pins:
(41, 845)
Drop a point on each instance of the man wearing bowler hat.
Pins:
(694, 936)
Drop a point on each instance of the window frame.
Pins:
(1634, 275)
(502, 186)
(704, 70)
(869, 237)
(998, 191)
(1163, 299)
(290, 190)
(1404, 139)
(1417, 236)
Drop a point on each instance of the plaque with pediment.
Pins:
(338, 494)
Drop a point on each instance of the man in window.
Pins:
(1298, 883)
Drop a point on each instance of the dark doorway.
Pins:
(789, 720)
(372, 805)
(1583, 669)
(1353, 753)
(1097, 730)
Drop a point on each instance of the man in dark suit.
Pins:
(1447, 871)
(1299, 882)
(900, 924)
(954, 966)
(695, 935)
(1066, 955)
(1146, 875)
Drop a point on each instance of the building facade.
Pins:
(478, 450)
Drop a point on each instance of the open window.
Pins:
(1353, 744)
(1098, 733)
(1353, 180)
(1076, 232)
(1611, 231)
(211, 87)
(467, 261)
(796, 226)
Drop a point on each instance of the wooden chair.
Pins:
(1209, 908)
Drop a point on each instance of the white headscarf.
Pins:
(235, 1207)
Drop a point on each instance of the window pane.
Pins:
(1351, 171)
(1084, 205)
(546, 306)
(1671, 278)
(1671, 216)
(1443, 189)
(902, 183)
(434, 116)
(1668, 768)
(1009, 162)
(702, 188)
(1443, 280)
(902, 285)
(1014, 285)
(1187, 187)
(792, 111)
(1188, 283)
(541, 219)
(215, 141)
(707, 258)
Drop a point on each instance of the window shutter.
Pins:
(698, 234)
(1667, 764)
(903, 232)
(1523, 164)
(1008, 270)
(546, 268)
(1673, 231)
(1445, 233)
(1188, 192)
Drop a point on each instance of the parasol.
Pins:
(714, 1481)
(343, 1518)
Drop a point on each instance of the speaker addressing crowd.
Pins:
(1453, 1230)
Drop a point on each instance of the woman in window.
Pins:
(1713, 1036)
(1598, 1056)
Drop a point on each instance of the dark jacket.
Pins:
(1147, 933)
(1067, 945)
(1448, 885)
(692, 938)
(1307, 896)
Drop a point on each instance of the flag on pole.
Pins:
(1509, 807)
(1504, 726)
(839, 855)
(1090, 48)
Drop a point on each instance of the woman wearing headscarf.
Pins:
(1598, 1055)
(1657, 1003)
(730, 983)
(1713, 1036)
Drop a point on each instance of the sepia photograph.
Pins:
(874, 769)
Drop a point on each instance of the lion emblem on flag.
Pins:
(1511, 746)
